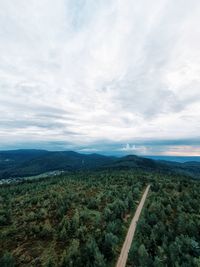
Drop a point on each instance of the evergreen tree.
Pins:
(50, 263)
(7, 260)
(143, 256)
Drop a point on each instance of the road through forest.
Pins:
(131, 231)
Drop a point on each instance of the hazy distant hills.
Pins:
(31, 162)
(181, 159)
(21, 163)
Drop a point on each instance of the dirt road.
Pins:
(129, 237)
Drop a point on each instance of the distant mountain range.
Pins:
(22, 163)
(181, 159)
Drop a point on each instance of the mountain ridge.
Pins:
(29, 162)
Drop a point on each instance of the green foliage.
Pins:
(80, 219)
(93, 255)
(46, 231)
(71, 257)
(143, 256)
(50, 263)
(69, 220)
(109, 245)
(168, 232)
(7, 260)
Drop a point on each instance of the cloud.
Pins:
(133, 149)
(99, 72)
(182, 150)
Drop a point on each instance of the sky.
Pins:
(103, 76)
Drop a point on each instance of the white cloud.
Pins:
(133, 149)
(85, 71)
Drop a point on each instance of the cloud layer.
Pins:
(100, 75)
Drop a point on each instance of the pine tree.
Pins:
(7, 260)
(143, 255)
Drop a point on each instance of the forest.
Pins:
(168, 233)
(72, 220)
(81, 219)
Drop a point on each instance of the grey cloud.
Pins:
(100, 74)
(23, 124)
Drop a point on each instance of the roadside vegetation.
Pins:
(69, 220)
(168, 232)
(81, 219)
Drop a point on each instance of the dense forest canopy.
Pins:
(168, 233)
(81, 219)
(77, 219)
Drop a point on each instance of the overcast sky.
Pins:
(118, 76)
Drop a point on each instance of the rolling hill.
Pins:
(22, 163)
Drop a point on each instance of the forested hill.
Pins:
(32, 162)
(21, 163)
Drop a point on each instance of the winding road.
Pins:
(131, 231)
